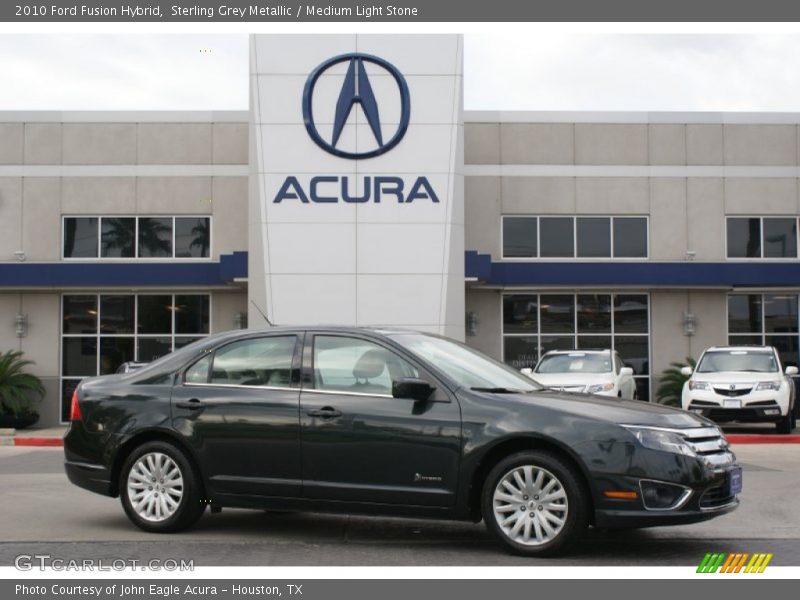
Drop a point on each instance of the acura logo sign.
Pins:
(356, 89)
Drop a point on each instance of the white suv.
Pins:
(599, 372)
(744, 384)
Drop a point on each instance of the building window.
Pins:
(100, 332)
(537, 323)
(762, 237)
(574, 237)
(137, 237)
(765, 320)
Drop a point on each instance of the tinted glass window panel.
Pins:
(118, 237)
(594, 342)
(191, 314)
(745, 340)
(520, 314)
(113, 352)
(155, 237)
(780, 238)
(198, 372)
(744, 238)
(261, 361)
(521, 352)
(180, 342)
(155, 314)
(80, 237)
(630, 313)
(192, 237)
(557, 237)
(634, 352)
(357, 366)
(557, 313)
(780, 313)
(594, 313)
(630, 238)
(117, 314)
(80, 314)
(744, 313)
(642, 388)
(557, 342)
(151, 349)
(594, 237)
(79, 357)
(519, 237)
(787, 347)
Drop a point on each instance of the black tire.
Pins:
(190, 506)
(577, 518)
(786, 424)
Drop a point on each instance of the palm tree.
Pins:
(17, 387)
(670, 387)
(202, 236)
(155, 237)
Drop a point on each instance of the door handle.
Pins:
(192, 404)
(327, 412)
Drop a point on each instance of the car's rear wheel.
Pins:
(534, 503)
(159, 489)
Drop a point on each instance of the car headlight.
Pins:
(662, 439)
(768, 385)
(599, 387)
(698, 385)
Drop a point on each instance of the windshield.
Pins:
(738, 360)
(575, 362)
(466, 367)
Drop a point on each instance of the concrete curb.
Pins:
(38, 441)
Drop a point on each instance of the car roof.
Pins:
(581, 351)
(746, 348)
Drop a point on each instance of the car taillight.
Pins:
(75, 408)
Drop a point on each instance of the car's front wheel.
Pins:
(534, 503)
(159, 489)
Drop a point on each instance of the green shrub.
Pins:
(20, 392)
(671, 383)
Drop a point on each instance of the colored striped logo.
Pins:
(739, 562)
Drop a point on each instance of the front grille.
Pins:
(710, 445)
(716, 496)
(733, 393)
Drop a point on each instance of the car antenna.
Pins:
(261, 312)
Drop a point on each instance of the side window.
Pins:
(617, 363)
(259, 361)
(345, 364)
(198, 372)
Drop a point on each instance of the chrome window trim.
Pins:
(245, 387)
(344, 393)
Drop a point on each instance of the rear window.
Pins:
(747, 361)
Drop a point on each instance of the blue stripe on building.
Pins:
(637, 274)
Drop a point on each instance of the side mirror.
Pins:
(791, 370)
(412, 388)
(626, 371)
(526, 371)
(687, 371)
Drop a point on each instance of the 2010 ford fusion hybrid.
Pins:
(391, 422)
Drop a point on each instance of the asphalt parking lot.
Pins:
(44, 514)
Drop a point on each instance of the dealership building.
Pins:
(356, 190)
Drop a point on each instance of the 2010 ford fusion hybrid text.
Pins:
(388, 422)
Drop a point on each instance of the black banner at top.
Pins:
(408, 11)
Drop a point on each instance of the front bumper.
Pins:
(709, 499)
(746, 414)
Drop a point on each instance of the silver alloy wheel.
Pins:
(155, 486)
(530, 505)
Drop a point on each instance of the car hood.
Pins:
(602, 408)
(736, 377)
(569, 379)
